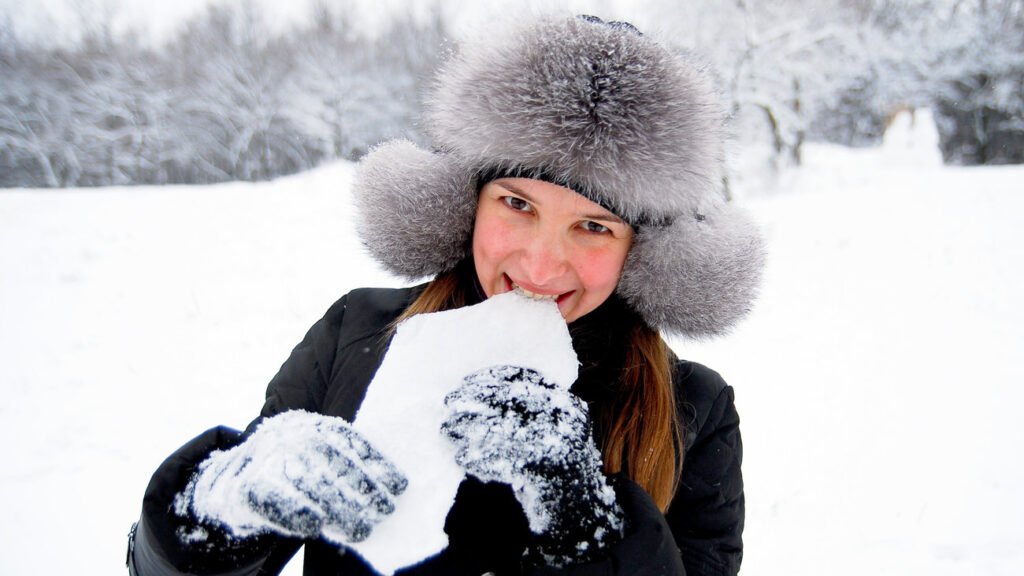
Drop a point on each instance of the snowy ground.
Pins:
(878, 378)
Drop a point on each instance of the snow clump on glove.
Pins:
(511, 426)
(300, 474)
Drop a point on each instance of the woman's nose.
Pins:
(545, 259)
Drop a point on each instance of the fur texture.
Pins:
(416, 208)
(600, 108)
(636, 128)
(697, 276)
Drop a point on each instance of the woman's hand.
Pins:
(512, 426)
(299, 474)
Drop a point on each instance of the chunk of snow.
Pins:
(404, 407)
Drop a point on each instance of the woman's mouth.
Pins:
(512, 286)
(533, 295)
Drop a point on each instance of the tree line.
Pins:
(226, 99)
(837, 70)
(223, 100)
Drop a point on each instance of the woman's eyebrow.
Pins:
(517, 190)
(606, 215)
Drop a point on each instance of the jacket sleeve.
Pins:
(156, 546)
(647, 548)
(161, 545)
(706, 517)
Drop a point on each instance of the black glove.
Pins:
(512, 426)
(299, 474)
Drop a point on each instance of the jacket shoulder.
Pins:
(328, 370)
(370, 310)
(357, 341)
(697, 389)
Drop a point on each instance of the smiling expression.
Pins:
(546, 241)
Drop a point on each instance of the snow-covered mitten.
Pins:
(511, 426)
(298, 474)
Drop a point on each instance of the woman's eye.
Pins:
(591, 226)
(517, 203)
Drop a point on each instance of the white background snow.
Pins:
(878, 378)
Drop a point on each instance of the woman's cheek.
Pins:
(600, 269)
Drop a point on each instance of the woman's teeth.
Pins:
(524, 292)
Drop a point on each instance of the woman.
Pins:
(574, 160)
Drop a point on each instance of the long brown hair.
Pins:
(642, 435)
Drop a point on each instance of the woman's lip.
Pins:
(511, 284)
(559, 298)
(562, 300)
(534, 295)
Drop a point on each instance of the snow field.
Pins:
(878, 379)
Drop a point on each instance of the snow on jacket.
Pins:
(329, 372)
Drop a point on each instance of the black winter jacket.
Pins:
(329, 371)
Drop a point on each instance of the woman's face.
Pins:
(547, 241)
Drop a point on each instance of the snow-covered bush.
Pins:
(839, 70)
(225, 99)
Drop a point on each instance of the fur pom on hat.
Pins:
(598, 108)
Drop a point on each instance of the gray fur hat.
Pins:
(596, 107)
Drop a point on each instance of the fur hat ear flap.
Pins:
(416, 208)
(697, 276)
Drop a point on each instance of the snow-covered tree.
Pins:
(838, 70)
(780, 63)
(39, 142)
(355, 91)
(231, 97)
